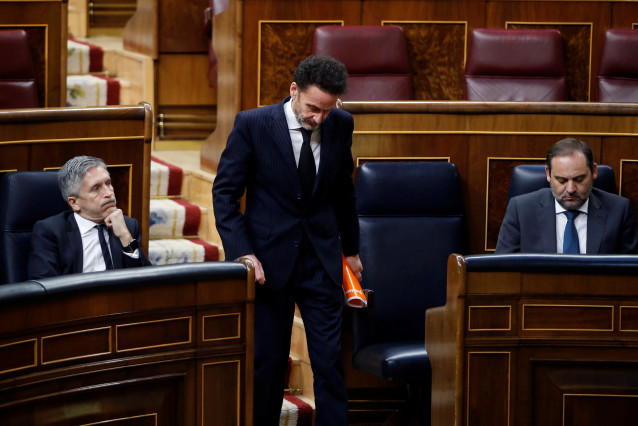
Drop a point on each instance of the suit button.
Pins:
(299, 197)
(296, 243)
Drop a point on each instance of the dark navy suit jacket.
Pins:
(56, 247)
(530, 224)
(259, 159)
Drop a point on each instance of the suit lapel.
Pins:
(75, 244)
(546, 222)
(281, 136)
(596, 218)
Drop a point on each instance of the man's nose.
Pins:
(571, 186)
(318, 118)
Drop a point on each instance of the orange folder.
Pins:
(351, 287)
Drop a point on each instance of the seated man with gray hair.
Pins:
(94, 235)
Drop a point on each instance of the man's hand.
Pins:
(115, 221)
(259, 270)
(355, 264)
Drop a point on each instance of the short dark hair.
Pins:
(71, 175)
(566, 147)
(325, 72)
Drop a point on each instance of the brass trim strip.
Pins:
(43, 338)
(487, 189)
(238, 336)
(509, 316)
(509, 381)
(94, 139)
(154, 415)
(591, 37)
(134, 324)
(239, 389)
(622, 161)
(563, 306)
(565, 395)
(35, 354)
(267, 21)
(399, 159)
(620, 319)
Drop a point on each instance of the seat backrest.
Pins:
(26, 198)
(515, 65)
(17, 73)
(618, 71)
(411, 217)
(375, 56)
(531, 177)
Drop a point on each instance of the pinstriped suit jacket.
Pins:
(258, 158)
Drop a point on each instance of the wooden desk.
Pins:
(536, 340)
(161, 345)
(487, 139)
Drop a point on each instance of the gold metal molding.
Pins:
(526, 305)
(121, 419)
(237, 336)
(266, 21)
(166, 320)
(45, 338)
(35, 354)
(509, 381)
(620, 326)
(487, 190)
(89, 139)
(239, 388)
(509, 317)
(620, 178)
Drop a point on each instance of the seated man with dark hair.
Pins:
(571, 216)
(94, 235)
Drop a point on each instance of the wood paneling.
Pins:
(486, 140)
(566, 360)
(128, 350)
(42, 139)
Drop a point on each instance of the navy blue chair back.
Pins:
(411, 217)
(26, 198)
(531, 177)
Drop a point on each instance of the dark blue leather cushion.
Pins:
(26, 198)
(531, 177)
(395, 360)
(561, 263)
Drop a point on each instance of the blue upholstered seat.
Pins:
(26, 198)
(412, 218)
(531, 177)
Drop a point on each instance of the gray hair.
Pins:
(71, 175)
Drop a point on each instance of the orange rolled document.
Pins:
(351, 287)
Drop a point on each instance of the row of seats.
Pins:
(502, 65)
(403, 267)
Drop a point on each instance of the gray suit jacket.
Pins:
(529, 225)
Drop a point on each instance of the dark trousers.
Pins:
(320, 302)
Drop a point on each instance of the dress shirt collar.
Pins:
(84, 224)
(559, 209)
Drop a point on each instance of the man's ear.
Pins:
(549, 178)
(595, 171)
(73, 202)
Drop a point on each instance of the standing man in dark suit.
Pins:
(294, 229)
(94, 235)
(541, 221)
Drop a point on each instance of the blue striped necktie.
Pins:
(570, 239)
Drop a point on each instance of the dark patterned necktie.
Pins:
(570, 239)
(307, 169)
(105, 250)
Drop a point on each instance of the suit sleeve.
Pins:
(344, 199)
(228, 188)
(44, 253)
(628, 232)
(509, 237)
(129, 261)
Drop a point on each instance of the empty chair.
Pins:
(515, 65)
(618, 71)
(531, 177)
(17, 73)
(375, 56)
(26, 198)
(411, 218)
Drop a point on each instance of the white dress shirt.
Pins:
(581, 226)
(297, 140)
(93, 260)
